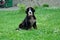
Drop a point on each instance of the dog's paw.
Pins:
(18, 29)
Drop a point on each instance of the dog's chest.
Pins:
(32, 20)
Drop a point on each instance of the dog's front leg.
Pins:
(35, 26)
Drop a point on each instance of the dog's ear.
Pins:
(33, 10)
(26, 11)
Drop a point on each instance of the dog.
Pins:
(29, 21)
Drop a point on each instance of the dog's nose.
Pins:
(30, 12)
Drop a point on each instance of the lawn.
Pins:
(48, 23)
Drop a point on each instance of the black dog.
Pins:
(29, 21)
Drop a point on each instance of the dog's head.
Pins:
(30, 11)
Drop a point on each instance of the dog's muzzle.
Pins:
(30, 14)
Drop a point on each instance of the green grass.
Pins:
(48, 23)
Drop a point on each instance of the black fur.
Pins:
(26, 24)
